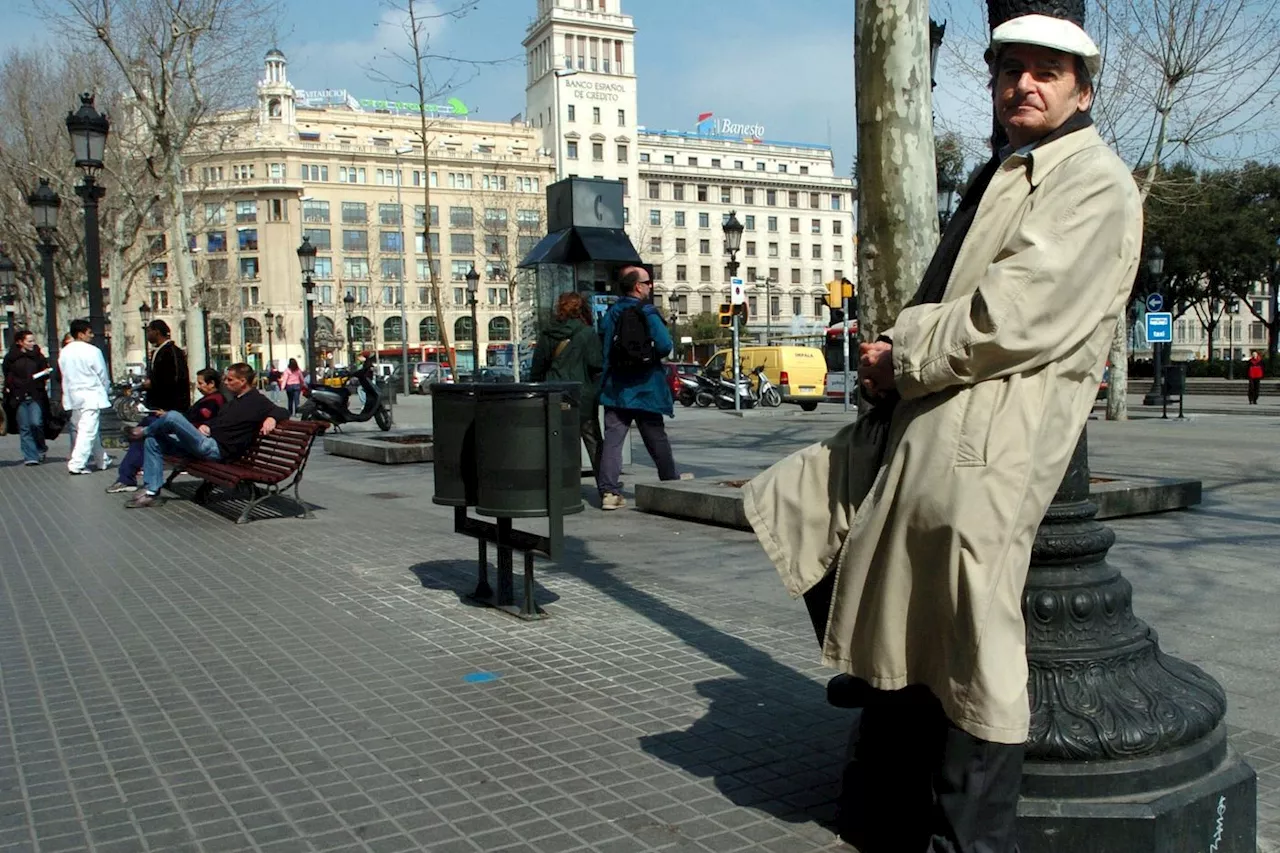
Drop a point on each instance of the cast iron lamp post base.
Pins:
(1127, 750)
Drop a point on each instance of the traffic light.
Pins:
(837, 291)
(726, 314)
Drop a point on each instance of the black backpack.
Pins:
(632, 349)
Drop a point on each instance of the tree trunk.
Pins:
(189, 312)
(1118, 381)
(897, 184)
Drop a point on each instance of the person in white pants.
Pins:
(85, 388)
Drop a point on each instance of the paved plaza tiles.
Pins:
(173, 682)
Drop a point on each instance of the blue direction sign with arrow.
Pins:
(1154, 302)
(1159, 327)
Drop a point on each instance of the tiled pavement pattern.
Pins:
(173, 682)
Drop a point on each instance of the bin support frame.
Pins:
(507, 540)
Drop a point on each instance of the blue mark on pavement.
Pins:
(480, 677)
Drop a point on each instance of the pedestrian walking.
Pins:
(26, 374)
(292, 381)
(909, 533)
(633, 385)
(86, 388)
(569, 351)
(1255, 377)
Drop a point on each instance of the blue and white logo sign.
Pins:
(1159, 327)
(1154, 302)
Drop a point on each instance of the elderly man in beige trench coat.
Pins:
(925, 535)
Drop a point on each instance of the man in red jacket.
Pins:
(1255, 377)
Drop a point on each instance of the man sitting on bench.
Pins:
(246, 415)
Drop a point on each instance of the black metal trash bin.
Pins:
(1175, 379)
(453, 412)
(512, 450)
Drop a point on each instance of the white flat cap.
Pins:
(1045, 31)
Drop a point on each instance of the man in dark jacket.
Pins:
(25, 373)
(569, 351)
(201, 412)
(168, 383)
(641, 397)
(245, 416)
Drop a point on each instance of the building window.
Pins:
(837, 253)
(462, 244)
(795, 276)
(595, 115)
(705, 275)
(819, 303)
(655, 244)
(706, 303)
(315, 211)
(679, 218)
(216, 214)
(837, 227)
(835, 201)
(573, 113)
(622, 118)
(571, 150)
(817, 252)
(702, 192)
(248, 268)
(726, 195)
(795, 250)
(749, 224)
(771, 198)
(773, 250)
(773, 224)
(795, 305)
(748, 195)
(704, 247)
(622, 153)
(655, 190)
(420, 243)
(751, 248)
(355, 241)
(246, 211)
(351, 175)
(677, 192)
(782, 167)
(392, 270)
(461, 217)
(216, 241)
(418, 220)
(682, 272)
(354, 212)
(391, 241)
(795, 225)
(644, 157)
(759, 165)
(793, 199)
(655, 217)
(597, 152)
(681, 246)
(704, 220)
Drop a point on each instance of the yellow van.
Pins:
(799, 373)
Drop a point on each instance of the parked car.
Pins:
(496, 374)
(675, 370)
(427, 373)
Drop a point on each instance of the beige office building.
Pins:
(348, 175)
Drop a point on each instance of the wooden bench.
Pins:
(271, 466)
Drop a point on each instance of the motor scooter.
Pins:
(332, 405)
(719, 391)
(689, 388)
(763, 392)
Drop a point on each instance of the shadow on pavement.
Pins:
(229, 503)
(459, 577)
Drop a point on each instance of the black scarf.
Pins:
(934, 284)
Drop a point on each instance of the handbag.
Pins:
(55, 420)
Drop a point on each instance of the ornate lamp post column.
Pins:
(270, 317)
(144, 313)
(473, 288)
(88, 129)
(44, 203)
(732, 242)
(307, 259)
(9, 291)
(349, 307)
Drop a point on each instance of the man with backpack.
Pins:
(633, 387)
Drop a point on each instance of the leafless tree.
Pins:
(181, 63)
(427, 76)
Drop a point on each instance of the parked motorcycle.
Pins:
(764, 393)
(690, 385)
(332, 405)
(719, 391)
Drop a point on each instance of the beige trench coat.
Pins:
(932, 547)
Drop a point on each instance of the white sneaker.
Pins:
(106, 462)
(612, 501)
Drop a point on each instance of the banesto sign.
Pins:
(595, 90)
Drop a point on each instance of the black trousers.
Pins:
(1255, 385)
(913, 781)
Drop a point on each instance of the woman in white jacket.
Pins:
(85, 388)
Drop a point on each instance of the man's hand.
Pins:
(146, 383)
(204, 429)
(267, 426)
(875, 367)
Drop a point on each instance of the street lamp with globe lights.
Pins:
(732, 241)
(45, 203)
(1155, 266)
(307, 260)
(349, 306)
(88, 129)
(9, 292)
(473, 288)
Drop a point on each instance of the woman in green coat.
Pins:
(569, 351)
